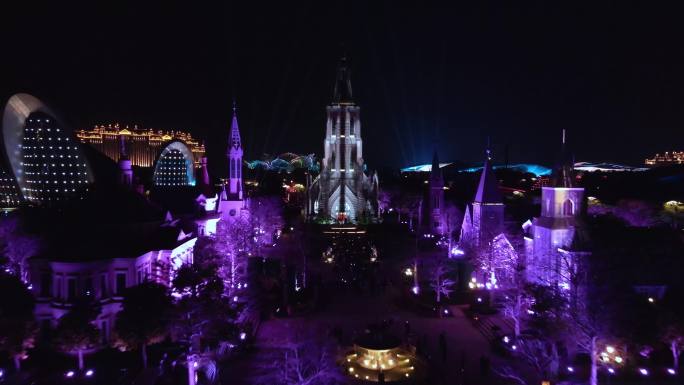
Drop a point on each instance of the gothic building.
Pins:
(231, 197)
(484, 217)
(433, 203)
(555, 238)
(342, 191)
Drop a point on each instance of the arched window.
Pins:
(568, 208)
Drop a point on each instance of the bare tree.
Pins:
(673, 336)
(17, 246)
(301, 362)
(440, 283)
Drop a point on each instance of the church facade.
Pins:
(342, 191)
(484, 216)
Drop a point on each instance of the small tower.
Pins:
(204, 176)
(434, 202)
(484, 217)
(559, 226)
(231, 198)
(125, 169)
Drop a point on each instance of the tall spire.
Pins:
(562, 173)
(488, 188)
(435, 171)
(234, 129)
(342, 93)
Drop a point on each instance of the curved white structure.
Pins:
(174, 167)
(43, 154)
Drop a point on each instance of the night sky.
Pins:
(438, 76)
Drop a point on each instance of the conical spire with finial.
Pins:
(488, 188)
(435, 171)
(562, 173)
(342, 93)
(234, 129)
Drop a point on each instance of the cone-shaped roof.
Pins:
(435, 171)
(488, 188)
(342, 93)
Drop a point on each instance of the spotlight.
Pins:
(69, 374)
(643, 371)
(571, 369)
(89, 372)
(671, 371)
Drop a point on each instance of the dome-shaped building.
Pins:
(46, 161)
(174, 167)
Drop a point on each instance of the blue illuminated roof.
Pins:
(423, 167)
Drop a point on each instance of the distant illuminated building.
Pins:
(142, 145)
(46, 160)
(674, 157)
(9, 193)
(174, 167)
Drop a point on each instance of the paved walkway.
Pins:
(352, 314)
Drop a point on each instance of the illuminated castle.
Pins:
(674, 157)
(142, 145)
(554, 238)
(342, 191)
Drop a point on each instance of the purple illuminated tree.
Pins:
(300, 361)
(537, 354)
(144, 318)
(234, 244)
(440, 283)
(16, 245)
(17, 325)
(266, 216)
(75, 331)
(499, 263)
(673, 336)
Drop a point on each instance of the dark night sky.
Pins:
(424, 76)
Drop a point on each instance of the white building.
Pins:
(343, 191)
(555, 238)
(104, 272)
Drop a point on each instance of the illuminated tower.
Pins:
(204, 178)
(125, 170)
(434, 202)
(231, 199)
(484, 217)
(559, 227)
(343, 191)
(235, 160)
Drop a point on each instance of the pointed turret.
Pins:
(435, 171)
(234, 189)
(488, 188)
(234, 131)
(563, 170)
(342, 92)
